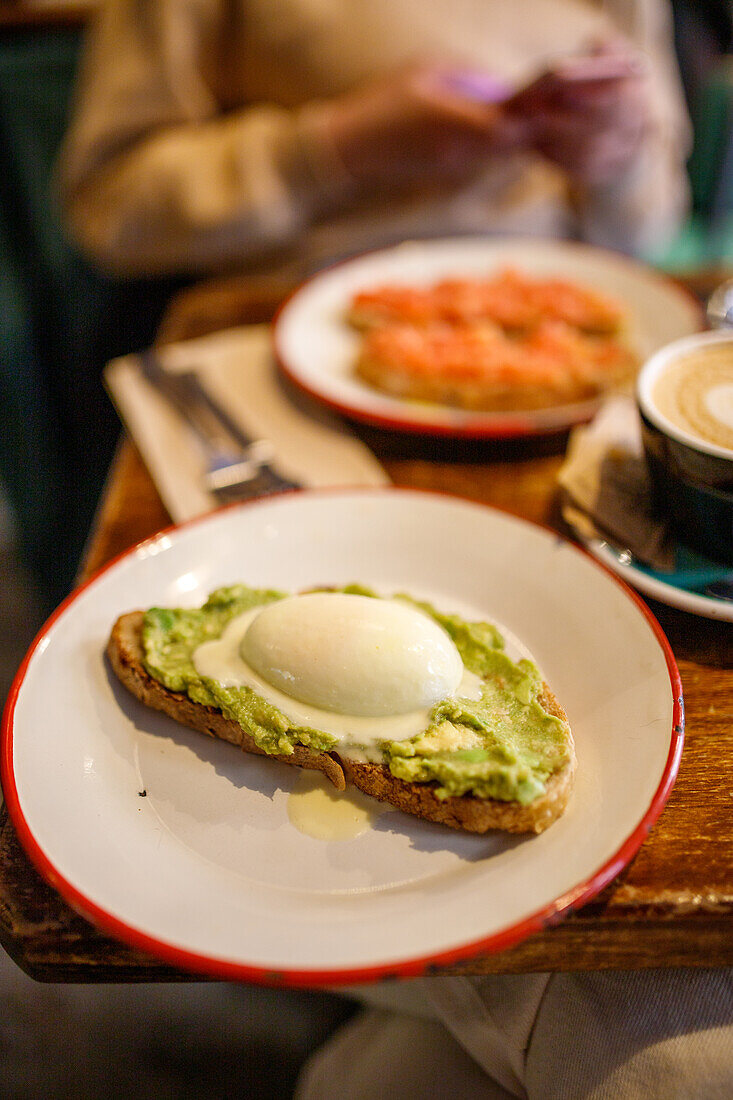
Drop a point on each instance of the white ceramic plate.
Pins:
(206, 871)
(316, 349)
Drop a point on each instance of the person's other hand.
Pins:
(419, 126)
(588, 114)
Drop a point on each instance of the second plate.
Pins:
(317, 349)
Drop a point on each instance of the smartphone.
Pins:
(597, 68)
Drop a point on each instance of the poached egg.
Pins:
(359, 668)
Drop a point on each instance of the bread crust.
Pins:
(467, 812)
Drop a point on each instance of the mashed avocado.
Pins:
(504, 745)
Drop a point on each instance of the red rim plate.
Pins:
(234, 971)
(479, 426)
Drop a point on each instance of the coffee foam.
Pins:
(719, 403)
(695, 394)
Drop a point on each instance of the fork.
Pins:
(238, 466)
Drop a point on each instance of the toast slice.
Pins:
(482, 369)
(467, 812)
(514, 301)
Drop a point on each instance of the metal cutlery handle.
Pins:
(719, 307)
(211, 423)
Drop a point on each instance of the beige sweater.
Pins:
(192, 148)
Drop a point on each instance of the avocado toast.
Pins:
(502, 760)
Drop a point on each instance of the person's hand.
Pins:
(420, 125)
(588, 114)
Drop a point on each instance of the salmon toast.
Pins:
(510, 299)
(479, 367)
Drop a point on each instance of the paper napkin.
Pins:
(606, 487)
(312, 446)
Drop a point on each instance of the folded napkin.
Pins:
(606, 487)
(312, 446)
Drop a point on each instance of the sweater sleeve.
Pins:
(156, 178)
(646, 205)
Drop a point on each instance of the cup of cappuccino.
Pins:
(685, 398)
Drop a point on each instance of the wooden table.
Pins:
(671, 906)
